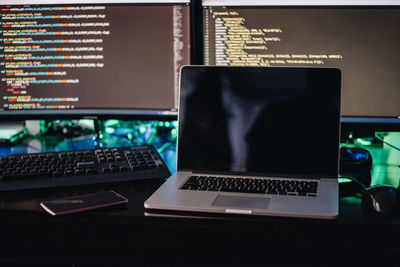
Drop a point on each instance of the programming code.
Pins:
(362, 42)
(92, 56)
(253, 41)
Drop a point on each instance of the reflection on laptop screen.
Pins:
(260, 120)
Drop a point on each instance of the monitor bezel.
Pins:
(360, 123)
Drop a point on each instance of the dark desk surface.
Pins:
(129, 233)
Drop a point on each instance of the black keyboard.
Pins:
(83, 167)
(252, 185)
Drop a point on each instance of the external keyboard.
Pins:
(83, 167)
(252, 185)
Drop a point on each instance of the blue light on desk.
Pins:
(356, 155)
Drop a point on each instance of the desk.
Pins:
(131, 236)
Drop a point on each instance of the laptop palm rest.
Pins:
(241, 202)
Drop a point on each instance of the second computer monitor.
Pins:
(360, 40)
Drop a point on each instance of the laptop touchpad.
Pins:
(241, 202)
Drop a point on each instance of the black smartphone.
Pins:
(83, 203)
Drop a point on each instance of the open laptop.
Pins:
(256, 140)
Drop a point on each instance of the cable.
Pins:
(386, 143)
(354, 180)
(357, 194)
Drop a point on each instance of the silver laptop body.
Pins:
(241, 128)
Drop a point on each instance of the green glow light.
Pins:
(161, 123)
(364, 141)
(43, 126)
(6, 133)
(100, 136)
(344, 180)
(166, 124)
(110, 130)
(109, 123)
(142, 129)
(129, 135)
(86, 123)
(175, 123)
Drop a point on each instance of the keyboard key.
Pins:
(92, 171)
(79, 172)
(106, 170)
(69, 173)
(87, 164)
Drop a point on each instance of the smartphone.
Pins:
(83, 203)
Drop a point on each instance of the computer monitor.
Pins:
(92, 58)
(359, 37)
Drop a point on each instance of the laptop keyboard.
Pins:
(252, 185)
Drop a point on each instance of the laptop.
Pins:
(257, 141)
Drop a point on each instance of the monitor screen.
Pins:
(360, 40)
(92, 58)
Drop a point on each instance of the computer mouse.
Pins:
(381, 198)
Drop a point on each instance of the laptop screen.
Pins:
(259, 120)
